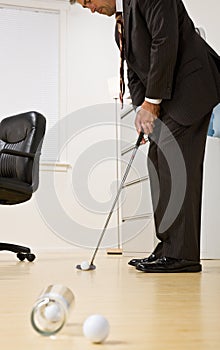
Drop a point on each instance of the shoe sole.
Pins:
(196, 268)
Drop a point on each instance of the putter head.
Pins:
(91, 267)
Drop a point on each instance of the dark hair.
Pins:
(72, 2)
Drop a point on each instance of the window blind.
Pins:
(29, 68)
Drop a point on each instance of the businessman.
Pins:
(174, 82)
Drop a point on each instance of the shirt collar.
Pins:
(119, 6)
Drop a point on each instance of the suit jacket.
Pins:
(167, 59)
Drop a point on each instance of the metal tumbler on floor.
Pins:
(51, 309)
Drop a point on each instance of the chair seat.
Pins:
(13, 191)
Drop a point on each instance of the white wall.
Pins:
(210, 243)
(93, 57)
(92, 60)
(205, 13)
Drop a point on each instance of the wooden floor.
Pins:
(145, 311)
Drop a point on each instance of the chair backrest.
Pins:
(22, 133)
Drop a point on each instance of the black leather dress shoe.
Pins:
(149, 259)
(167, 265)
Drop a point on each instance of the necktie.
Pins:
(120, 28)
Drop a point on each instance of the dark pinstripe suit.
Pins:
(168, 60)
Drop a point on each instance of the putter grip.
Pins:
(140, 137)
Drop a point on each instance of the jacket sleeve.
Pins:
(162, 22)
(136, 88)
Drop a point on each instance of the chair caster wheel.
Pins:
(21, 256)
(30, 257)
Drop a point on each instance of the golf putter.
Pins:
(91, 265)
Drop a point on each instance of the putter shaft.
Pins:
(140, 137)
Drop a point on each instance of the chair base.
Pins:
(22, 252)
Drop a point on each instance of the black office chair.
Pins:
(21, 138)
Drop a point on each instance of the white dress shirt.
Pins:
(119, 8)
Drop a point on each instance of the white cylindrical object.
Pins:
(51, 309)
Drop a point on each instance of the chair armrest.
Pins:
(17, 153)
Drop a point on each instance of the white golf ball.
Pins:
(96, 328)
(85, 265)
(52, 312)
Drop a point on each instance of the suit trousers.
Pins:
(175, 165)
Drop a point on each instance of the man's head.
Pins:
(104, 7)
